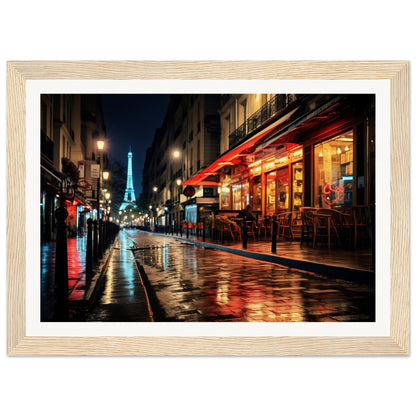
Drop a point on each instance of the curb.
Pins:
(94, 285)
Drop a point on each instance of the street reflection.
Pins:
(196, 284)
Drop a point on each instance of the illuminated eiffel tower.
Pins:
(129, 196)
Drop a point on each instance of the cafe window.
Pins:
(334, 172)
(282, 176)
(257, 193)
(236, 189)
(271, 192)
(225, 197)
(245, 195)
(297, 185)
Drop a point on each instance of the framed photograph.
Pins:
(195, 278)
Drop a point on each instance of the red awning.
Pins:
(230, 157)
(277, 132)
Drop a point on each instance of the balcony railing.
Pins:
(266, 112)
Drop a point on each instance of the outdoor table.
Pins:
(326, 218)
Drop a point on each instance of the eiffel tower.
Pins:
(129, 196)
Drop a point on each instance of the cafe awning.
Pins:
(233, 156)
(276, 133)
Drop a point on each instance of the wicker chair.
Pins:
(284, 225)
(307, 223)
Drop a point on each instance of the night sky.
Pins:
(131, 119)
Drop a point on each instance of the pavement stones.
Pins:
(194, 284)
(122, 297)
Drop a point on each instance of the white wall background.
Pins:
(302, 29)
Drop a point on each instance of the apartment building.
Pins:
(187, 142)
(65, 156)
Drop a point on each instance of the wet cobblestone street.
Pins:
(196, 284)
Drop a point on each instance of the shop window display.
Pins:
(257, 199)
(236, 189)
(334, 172)
(297, 185)
(271, 193)
(245, 195)
(225, 197)
(282, 176)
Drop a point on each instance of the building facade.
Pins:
(187, 142)
(280, 152)
(67, 139)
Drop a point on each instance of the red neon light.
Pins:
(338, 191)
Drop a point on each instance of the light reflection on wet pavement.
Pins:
(196, 284)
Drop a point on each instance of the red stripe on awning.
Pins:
(225, 159)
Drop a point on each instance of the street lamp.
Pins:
(106, 174)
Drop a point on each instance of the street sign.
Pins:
(81, 169)
(95, 171)
(84, 184)
(189, 191)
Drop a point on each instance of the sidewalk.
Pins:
(117, 262)
(80, 291)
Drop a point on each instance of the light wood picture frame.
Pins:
(396, 73)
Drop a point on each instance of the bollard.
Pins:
(274, 234)
(106, 235)
(89, 259)
(187, 229)
(61, 263)
(244, 233)
(95, 224)
(100, 239)
(181, 228)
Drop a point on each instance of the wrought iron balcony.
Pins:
(257, 119)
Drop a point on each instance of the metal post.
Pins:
(105, 236)
(274, 234)
(187, 229)
(95, 224)
(244, 233)
(61, 263)
(100, 240)
(89, 259)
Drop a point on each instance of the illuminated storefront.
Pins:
(334, 172)
(283, 179)
(321, 155)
